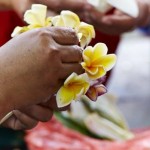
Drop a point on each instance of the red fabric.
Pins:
(9, 20)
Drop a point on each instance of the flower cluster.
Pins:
(36, 18)
(96, 62)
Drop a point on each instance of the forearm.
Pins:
(5, 104)
(5, 4)
(5, 107)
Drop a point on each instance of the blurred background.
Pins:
(130, 80)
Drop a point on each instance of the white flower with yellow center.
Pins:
(74, 87)
(86, 32)
(66, 19)
(96, 61)
(36, 18)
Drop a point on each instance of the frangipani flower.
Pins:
(74, 87)
(87, 31)
(36, 18)
(96, 61)
(66, 19)
(69, 19)
(96, 89)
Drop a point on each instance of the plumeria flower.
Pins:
(36, 18)
(66, 19)
(74, 87)
(86, 32)
(96, 89)
(69, 19)
(96, 61)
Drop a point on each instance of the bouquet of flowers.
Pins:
(95, 61)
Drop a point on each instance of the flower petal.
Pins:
(19, 30)
(79, 36)
(88, 52)
(101, 73)
(87, 27)
(58, 21)
(83, 41)
(82, 78)
(92, 94)
(100, 49)
(48, 21)
(78, 96)
(100, 89)
(70, 78)
(37, 15)
(88, 33)
(70, 19)
(64, 97)
(91, 70)
(108, 61)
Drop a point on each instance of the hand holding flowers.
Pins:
(96, 62)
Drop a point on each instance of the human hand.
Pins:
(118, 22)
(28, 117)
(20, 6)
(59, 5)
(35, 64)
(54, 5)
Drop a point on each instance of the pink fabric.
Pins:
(54, 136)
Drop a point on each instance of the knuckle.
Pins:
(78, 51)
(73, 35)
(43, 32)
(53, 53)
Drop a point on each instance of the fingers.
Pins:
(68, 69)
(38, 112)
(20, 121)
(51, 104)
(24, 120)
(71, 54)
(72, 5)
(118, 20)
(122, 23)
(64, 36)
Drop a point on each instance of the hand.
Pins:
(118, 22)
(27, 118)
(20, 6)
(59, 5)
(22, 121)
(35, 64)
(54, 5)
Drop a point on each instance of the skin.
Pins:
(28, 117)
(33, 66)
(114, 24)
(118, 22)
